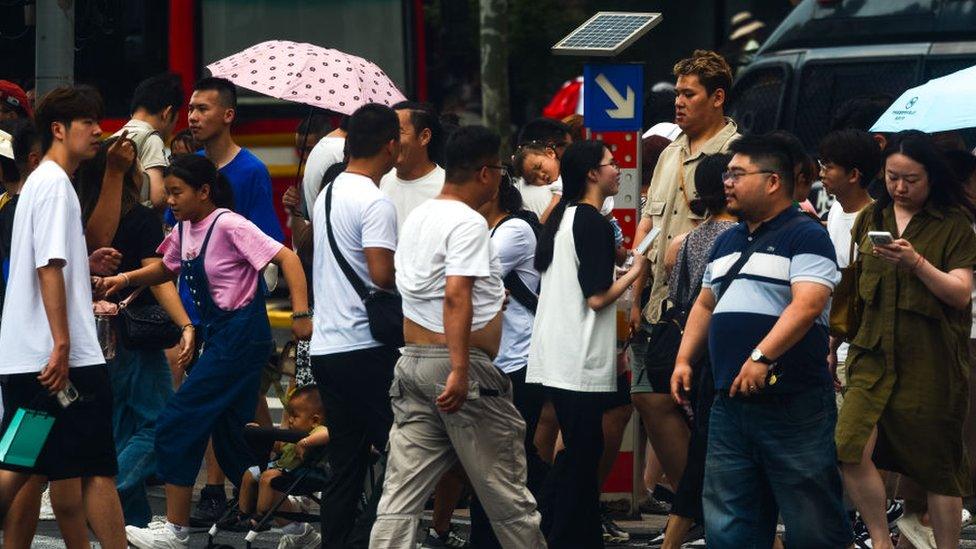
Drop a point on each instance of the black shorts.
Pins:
(620, 397)
(80, 443)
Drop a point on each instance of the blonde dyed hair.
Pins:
(712, 70)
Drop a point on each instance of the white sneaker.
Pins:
(157, 536)
(967, 517)
(47, 512)
(306, 540)
(921, 536)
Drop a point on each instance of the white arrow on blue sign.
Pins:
(613, 97)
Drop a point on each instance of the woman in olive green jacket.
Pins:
(908, 366)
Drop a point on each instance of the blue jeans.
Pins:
(769, 455)
(141, 385)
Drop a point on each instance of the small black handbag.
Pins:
(384, 310)
(145, 328)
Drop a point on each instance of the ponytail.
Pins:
(221, 193)
(577, 161)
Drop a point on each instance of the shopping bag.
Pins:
(25, 437)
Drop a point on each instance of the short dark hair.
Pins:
(709, 184)
(860, 112)
(25, 138)
(156, 93)
(544, 130)
(467, 150)
(224, 88)
(769, 153)
(310, 392)
(65, 104)
(370, 128)
(850, 149)
(315, 123)
(798, 153)
(423, 116)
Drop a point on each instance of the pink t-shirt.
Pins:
(237, 252)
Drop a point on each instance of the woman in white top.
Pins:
(573, 347)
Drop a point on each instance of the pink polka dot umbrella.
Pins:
(308, 74)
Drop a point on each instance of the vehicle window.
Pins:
(756, 99)
(825, 86)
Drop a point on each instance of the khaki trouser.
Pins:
(486, 435)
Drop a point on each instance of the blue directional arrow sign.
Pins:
(613, 96)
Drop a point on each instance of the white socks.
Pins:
(181, 532)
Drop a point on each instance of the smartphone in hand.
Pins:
(881, 238)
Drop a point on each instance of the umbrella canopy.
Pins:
(941, 104)
(308, 74)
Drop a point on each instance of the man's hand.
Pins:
(187, 347)
(54, 376)
(455, 391)
(636, 315)
(104, 261)
(301, 328)
(120, 155)
(751, 379)
(292, 200)
(681, 382)
(832, 366)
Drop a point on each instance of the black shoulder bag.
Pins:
(383, 309)
(513, 282)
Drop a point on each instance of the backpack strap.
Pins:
(351, 275)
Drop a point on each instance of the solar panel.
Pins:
(607, 33)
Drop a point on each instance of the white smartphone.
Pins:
(645, 244)
(880, 238)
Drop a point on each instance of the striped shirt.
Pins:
(759, 294)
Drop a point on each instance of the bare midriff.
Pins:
(487, 338)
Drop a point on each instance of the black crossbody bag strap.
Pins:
(759, 242)
(514, 284)
(351, 275)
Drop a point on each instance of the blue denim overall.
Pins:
(219, 395)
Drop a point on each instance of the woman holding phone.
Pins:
(908, 366)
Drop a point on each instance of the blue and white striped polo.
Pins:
(760, 293)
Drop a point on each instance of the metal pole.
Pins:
(494, 69)
(54, 63)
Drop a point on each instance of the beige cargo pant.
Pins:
(486, 435)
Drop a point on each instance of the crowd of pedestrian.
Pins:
(457, 327)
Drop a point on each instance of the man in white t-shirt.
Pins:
(416, 178)
(352, 369)
(48, 335)
(155, 108)
(451, 403)
(849, 159)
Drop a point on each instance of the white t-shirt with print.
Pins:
(47, 228)
(444, 238)
(362, 217)
(839, 225)
(325, 153)
(514, 242)
(408, 194)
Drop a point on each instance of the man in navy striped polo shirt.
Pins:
(771, 436)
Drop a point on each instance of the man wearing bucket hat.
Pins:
(14, 102)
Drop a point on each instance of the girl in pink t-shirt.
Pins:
(218, 256)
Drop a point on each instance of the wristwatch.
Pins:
(758, 356)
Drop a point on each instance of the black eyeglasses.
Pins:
(735, 176)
